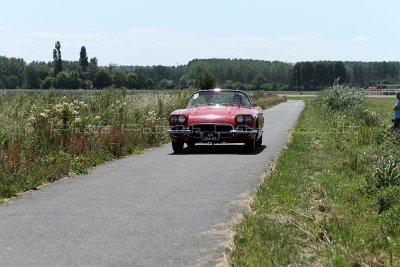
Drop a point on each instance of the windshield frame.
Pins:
(196, 101)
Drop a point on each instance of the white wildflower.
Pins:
(31, 119)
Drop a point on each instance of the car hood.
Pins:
(215, 114)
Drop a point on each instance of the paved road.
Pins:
(154, 209)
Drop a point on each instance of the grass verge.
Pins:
(333, 197)
(266, 100)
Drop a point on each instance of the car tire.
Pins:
(250, 146)
(177, 147)
(191, 145)
(259, 142)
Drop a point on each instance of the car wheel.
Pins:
(250, 146)
(191, 145)
(177, 147)
(259, 141)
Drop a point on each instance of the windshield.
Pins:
(228, 98)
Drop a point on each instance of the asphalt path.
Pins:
(153, 209)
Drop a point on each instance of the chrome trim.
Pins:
(196, 127)
(178, 131)
(243, 131)
(192, 129)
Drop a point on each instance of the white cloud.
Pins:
(3, 28)
(43, 36)
(363, 39)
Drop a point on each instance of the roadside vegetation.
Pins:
(266, 99)
(45, 136)
(333, 198)
(52, 134)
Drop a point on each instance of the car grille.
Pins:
(222, 129)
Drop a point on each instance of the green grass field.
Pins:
(333, 198)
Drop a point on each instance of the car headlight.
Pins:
(239, 119)
(173, 119)
(248, 118)
(181, 119)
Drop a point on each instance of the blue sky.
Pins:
(155, 32)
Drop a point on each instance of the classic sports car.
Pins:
(217, 116)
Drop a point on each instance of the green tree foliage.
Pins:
(57, 58)
(240, 74)
(205, 81)
(259, 80)
(241, 71)
(83, 59)
(92, 68)
(102, 79)
(11, 72)
(141, 81)
(131, 80)
(68, 80)
(184, 82)
(316, 75)
(166, 84)
(48, 83)
(35, 73)
(120, 79)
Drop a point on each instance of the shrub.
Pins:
(387, 172)
(341, 98)
(390, 218)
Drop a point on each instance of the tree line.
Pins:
(245, 74)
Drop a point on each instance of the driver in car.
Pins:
(208, 98)
(237, 99)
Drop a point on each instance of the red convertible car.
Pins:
(217, 116)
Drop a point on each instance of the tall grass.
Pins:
(333, 198)
(267, 99)
(44, 136)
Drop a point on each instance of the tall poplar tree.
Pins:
(83, 59)
(57, 58)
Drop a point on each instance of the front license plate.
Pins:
(210, 137)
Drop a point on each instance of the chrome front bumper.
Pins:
(197, 129)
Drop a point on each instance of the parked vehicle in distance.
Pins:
(217, 116)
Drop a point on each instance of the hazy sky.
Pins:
(170, 32)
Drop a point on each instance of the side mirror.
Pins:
(254, 104)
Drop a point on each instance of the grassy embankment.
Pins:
(333, 198)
